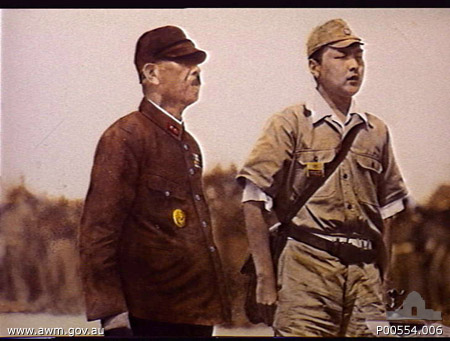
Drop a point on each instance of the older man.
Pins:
(329, 273)
(147, 250)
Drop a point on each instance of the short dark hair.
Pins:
(317, 55)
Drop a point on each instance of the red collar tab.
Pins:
(174, 130)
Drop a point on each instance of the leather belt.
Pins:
(358, 242)
(341, 247)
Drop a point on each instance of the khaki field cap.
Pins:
(166, 43)
(334, 33)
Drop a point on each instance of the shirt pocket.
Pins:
(366, 171)
(165, 188)
(304, 158)
(163, 197)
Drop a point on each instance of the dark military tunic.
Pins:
(145, 238)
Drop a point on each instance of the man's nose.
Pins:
(353, 64)
(195, 71)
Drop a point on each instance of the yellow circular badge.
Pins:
(179, 217)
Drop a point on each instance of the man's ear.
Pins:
(150, 73)
(314, 67)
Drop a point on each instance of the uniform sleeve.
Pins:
(392, 209)
(391, 187)
(110, 195)
(272, 150)
(254, 193)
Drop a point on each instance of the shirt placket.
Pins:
(348, 195)
(193, 161)
(351, 212)
(351, 205)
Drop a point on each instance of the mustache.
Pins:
(197, 81)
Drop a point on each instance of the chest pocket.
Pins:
(366, 171)
(163, 197)
(304, 162)
(369, 163)
(164, 188)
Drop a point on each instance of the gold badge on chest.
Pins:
(179, 217)
(315, 169)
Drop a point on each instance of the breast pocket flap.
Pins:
(167, 187)
(369, 163)
(323, 156)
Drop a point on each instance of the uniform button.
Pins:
(345, 176)
(167, 193)
(157, 227)
(204, 223)
(349, 206)
(197, 197)
(212, 249)
(192, 171)
(186, 147)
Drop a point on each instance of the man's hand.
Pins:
(258, 238)
(266, 297)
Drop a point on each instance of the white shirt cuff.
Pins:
(254, 193)
(392, 208)
(117, 321)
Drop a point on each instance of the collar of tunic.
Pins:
(164, 111)
(321, 110)
(162, 118)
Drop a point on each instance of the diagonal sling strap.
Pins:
(254, 311)
(315, 183)
(312, 186)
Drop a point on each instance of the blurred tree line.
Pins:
(39, 257)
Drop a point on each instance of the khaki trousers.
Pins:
(319, 296)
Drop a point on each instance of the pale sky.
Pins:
(68, 74)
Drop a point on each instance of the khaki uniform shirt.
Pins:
(352, 200)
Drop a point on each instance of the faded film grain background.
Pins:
(68, 74)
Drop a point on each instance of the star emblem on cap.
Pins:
(347, 31)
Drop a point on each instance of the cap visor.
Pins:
(345, 43)
(197, 57)
(186, 51)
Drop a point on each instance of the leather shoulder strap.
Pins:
(315, 183)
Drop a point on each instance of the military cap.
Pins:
(334, 33)
(166, 43)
